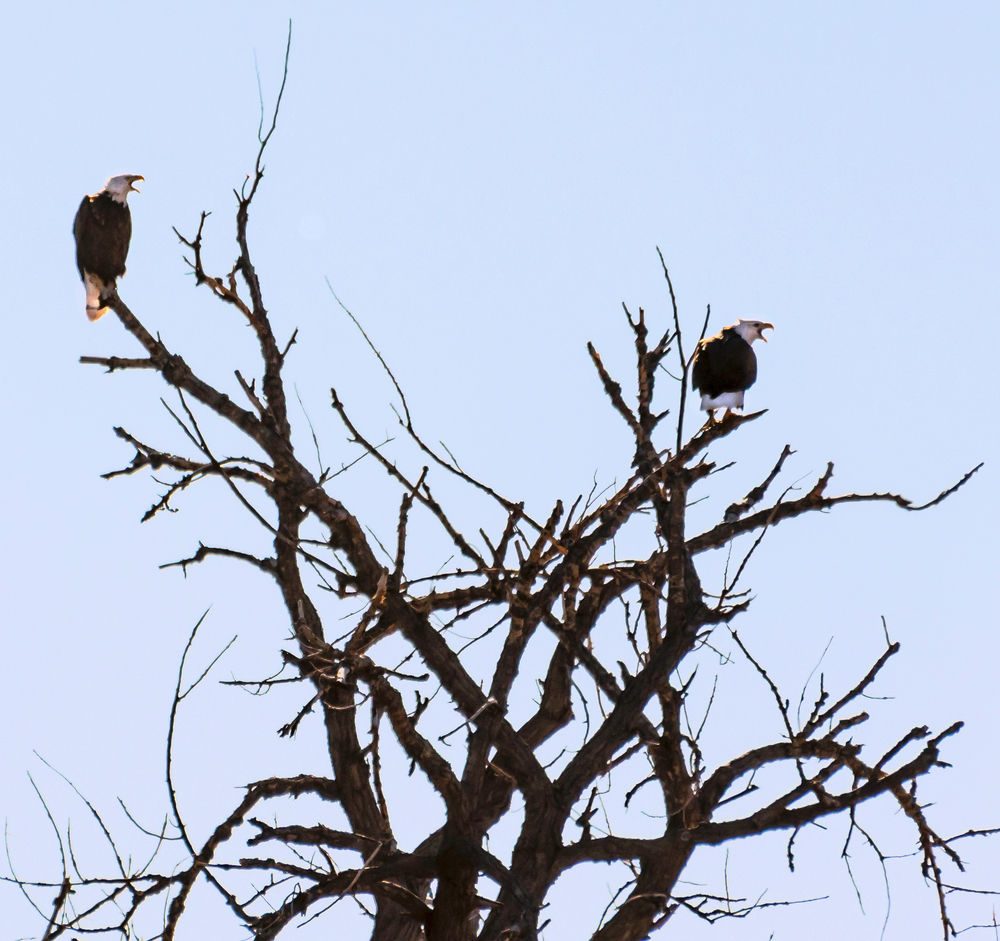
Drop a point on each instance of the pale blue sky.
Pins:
(484, 184)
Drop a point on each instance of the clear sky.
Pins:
(484, 184)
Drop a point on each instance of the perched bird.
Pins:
(102, 229)
(725, 365)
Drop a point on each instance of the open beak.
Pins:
(763, 327)
(132, 188)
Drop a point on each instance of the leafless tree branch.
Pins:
(491, 733)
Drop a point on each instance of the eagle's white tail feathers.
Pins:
(723, 400)
(95, 287)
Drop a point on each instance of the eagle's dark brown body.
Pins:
(102, 229)
(724, 363)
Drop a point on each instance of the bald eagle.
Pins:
(725, 365)
(102, 229)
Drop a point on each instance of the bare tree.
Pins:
(600, 651)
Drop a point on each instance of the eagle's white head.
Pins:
(752, 330)
(120, 186)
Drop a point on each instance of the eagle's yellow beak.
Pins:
(763, 327)
(132, 188)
